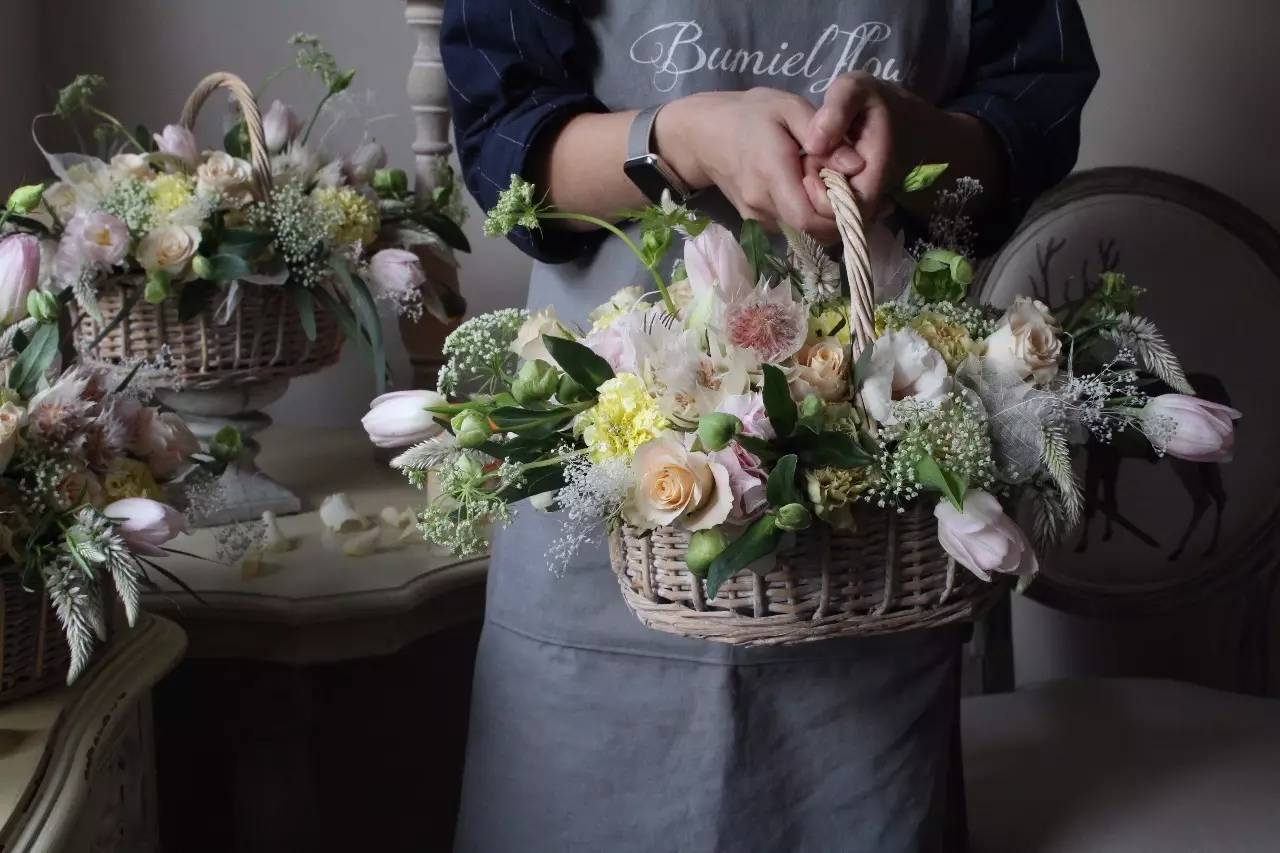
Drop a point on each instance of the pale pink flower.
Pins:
(177, 141)
(903, 367)
(19, 275)
(280, 124)
(97, 238)
(769, 321)
(164, 440)
(747, 483)
(146, 525)
(749, 408)
(1189, 428)
(982, 538)
(396, 273)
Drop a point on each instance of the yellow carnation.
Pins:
(171, 192)
(624, 417)
(129, 478)
(951, 340)
(353, 217)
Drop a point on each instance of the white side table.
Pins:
(77, 764)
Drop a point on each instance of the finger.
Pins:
(817, 191)
(791, 199)
(847, 161)
(843, 103)
(875, 145)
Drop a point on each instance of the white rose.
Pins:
(619, 305)
(226, 176)
(903, 367)
(169, 248)
(1026, 343)
(528, 344)
(11, 416)
(678, 486)
(130, 166)
(822, 368)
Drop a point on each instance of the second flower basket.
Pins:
(888, 574)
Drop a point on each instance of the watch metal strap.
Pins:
(641, 156)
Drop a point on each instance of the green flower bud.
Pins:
(794, 517)
(717, 429)
(535, 383)
(391, 183)
(25, 199)
(42, 306)
(654, 244)
(343, 81)
(202, 267)
(704, 547)
(471, 428)
(159, 287)
(568, 391)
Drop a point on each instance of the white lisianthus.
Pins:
(677, 486)
(226, 177)
(982, 538)
(94, 238)
(528, 344)
(280, 124)
(903, 367)
(1026, 342)
(821, 368)
(176, 141)
(169, 248)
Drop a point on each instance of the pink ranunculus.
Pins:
(749, 408)
(747, 483)
(176, 141)
(982, 538)
(1189, 428)
(19, 275)
(145, 524)
(280, 124)
(396, 273)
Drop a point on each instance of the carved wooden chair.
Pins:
(1168, 590)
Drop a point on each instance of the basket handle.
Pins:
(259, 159)
(857, 260)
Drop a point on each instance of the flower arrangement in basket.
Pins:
(237, 265)
(82, 464)
(776, 457)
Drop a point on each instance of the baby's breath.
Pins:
(299, 227)
(131, 201)
(953, 432)
(593, 492)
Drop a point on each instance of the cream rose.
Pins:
(528, 343)
(1026, 343)
(10, 423)
(169, 248)
(225, 176)
(678, 486)
(822, 368)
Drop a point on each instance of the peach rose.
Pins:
(822, 368)
(678, 486)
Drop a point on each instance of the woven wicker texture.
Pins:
(889, 574)
(264, 340)
(33, 652)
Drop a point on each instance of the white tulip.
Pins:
(364, 161)
(982, 538)
(400, 418)
(145, 524)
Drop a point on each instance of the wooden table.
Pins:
(77, 765)
(326, 695)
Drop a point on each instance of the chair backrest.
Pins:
(1174, 568)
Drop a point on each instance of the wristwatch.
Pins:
(645, 168)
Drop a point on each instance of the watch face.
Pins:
(645, 174)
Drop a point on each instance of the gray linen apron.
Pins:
(590, 732)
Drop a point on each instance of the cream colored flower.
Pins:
(169, 248)
(61, 199)
(11, 416)
(1026, 343)
(678, 486)
(622, 303)
(227, 177)
(133, 166)
(528, 344)
(822, 368)
(903, 367)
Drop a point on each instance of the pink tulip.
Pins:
(145, 524)
(396, 273)
(280, 124)
(364, 161)
(176, 141)
(1189, 428)
(982, 538)
(19, 275)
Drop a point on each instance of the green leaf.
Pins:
(445, 227)
(30, 366)
(760, 540)
(236, 140)
(933, 476)
(306, 306)
(225, 267)
(193, 298)
(756, 244)
(833, 449)
(583, 366)
(923, 176)
(759, 446)
(365, 310)
(243, 243)
(778, 404)
(531, 421)
(781, 489)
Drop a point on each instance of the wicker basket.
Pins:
(889, 574)
(264, 340)
(33, 652)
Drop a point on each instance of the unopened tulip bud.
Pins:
(535, 382)
(717, 429)
(471, 428)
(25, 199)
(794, 517)
(704, 547)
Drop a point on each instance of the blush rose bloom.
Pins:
(1189, 428)
(400, 418)
(1026, 342)
(822, 368)
(747, 483)
(903, 366)
(677, 486)
(145, 524)
(169, 248)
(982, 538)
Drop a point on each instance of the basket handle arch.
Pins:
(259, 158)
(857, 260)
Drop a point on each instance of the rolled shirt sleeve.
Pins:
(517, 71)
(1031, 70)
